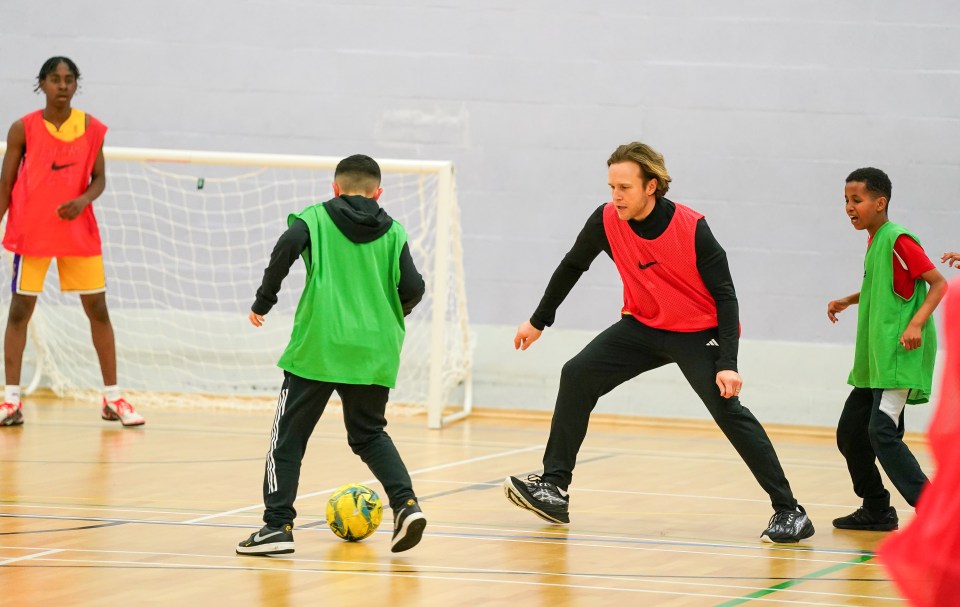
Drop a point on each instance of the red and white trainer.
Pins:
(122, 411)
(11, 414)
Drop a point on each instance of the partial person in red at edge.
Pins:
(679, 307)
(52, 172)
(895, 352)
(922, 559)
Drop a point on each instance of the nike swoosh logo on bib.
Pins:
(57, 167)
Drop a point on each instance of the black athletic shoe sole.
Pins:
(261, 545)
(877, 527)
(518, 499)
(266, 549)
(410, 533)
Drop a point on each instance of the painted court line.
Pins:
(482, 534)
(803, 578)
(29, 506)
(656, 494)
(497, 533)
(463, 462)
(38, 555)
(411, 575)
(758, 593)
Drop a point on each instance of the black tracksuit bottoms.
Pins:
(299, 407)
(626, 350)
(865, 434)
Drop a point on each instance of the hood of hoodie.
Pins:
(360, 218)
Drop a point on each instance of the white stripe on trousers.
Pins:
(274, 432)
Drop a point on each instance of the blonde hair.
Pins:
(648, 159)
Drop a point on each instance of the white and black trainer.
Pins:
(540, 497)
(268, 541)
(408, 525)
(788, 527)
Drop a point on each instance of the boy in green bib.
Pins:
(895, 351)
(347, 333)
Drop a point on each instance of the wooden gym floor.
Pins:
(662, 514)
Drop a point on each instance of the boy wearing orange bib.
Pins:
(52, 171)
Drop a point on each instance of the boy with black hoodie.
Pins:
(347, 335)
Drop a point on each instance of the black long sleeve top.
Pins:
(711, 263)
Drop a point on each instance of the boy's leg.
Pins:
(620, 353)
(886, 438)
(299, 407)
(854, 442)
(27, 283)
(15, 337)
(363, 415)
(697, 362)
(101, 330)
(15, 340)
(114, 407)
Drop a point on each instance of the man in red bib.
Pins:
(679, 306)
(52, 172)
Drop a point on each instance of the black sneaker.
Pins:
(869, 520)
(408, 526)
(268, 541)
(544, 499)
(788, 527)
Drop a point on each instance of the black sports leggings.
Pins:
(627, 349)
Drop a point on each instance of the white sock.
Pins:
(11, 394)
(111, 393)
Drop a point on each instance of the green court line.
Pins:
(762, 593)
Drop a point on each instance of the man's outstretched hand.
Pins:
(526, 335)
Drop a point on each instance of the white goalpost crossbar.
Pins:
(186, 237)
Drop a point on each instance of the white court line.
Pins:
(654, 494)
(30, 556)
(373, 480)
(625, 542)
(28, 505)
(418, 576)
(791, 556)
(124, 521)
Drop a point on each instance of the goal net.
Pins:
(186, 237)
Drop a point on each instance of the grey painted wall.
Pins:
(760, 107)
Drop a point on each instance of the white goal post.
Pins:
(186, 236)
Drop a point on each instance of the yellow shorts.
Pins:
(77, 274)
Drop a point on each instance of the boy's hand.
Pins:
(911, 338)
(72, 209)
(835, 307)
(729, 383)
(951, 259)
(256, 319)
(526, 335)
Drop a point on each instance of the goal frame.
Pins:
(436, 407)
